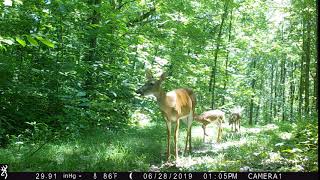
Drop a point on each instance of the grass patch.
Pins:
(274, 147)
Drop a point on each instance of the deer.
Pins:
(234, 119)
(175, 105)
(209, 117)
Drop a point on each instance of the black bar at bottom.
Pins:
(161, 176)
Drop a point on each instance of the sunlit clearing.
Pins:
(228, 144)
(188, 162)
(285, 135)
(211, 139)
(211, 130)
(116, 153)
(60, 151)
(141, 119)
(66, 149)
(274, 157)
(267, 127)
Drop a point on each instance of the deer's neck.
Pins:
(161, 98)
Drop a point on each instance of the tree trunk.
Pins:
(292, 89)
(91, 55)
(227, 60)
(259, 103)
(316, 81)
(252, 97)
(283, 79)
(276, 88)
(307, 70)
(283, 88)
(271, 92)
(301, 86)
(214, 67)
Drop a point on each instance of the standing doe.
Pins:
(175, 105)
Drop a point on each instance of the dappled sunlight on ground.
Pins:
(188, 162)
(216, 147)
(212, 152)
(141, 119)
(285, 135)
(211, 130)
(143, 148)
(211, 145)
(256, 130)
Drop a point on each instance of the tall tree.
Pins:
(212, 82)
(253, 85)
(227, 61)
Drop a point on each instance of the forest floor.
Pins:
(271, 147)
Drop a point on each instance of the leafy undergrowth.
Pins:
(272, 147)
(98, 150)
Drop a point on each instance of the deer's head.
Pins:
(152, 86)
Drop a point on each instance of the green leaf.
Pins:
(45, 41)
(6, 40)
(18, 2)
(32, 41)
(21, 41)
(81, 94)
(2, 47)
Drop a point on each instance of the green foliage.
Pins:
(263, 148)
(99, 149)
(32, 41)
(45, 41)
(21, 41)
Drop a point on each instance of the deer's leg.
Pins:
(204, 132)
(190, 146)
(190, 132)
(168, 139)
(176, 137)
(219, 132)
(188, 139)
(186, 145)
(239, 125)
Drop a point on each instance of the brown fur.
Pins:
(235, 120)
(184, 102)
(209, 117)
(174, 105)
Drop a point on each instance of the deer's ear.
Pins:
(163, 76)
(148, 74)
